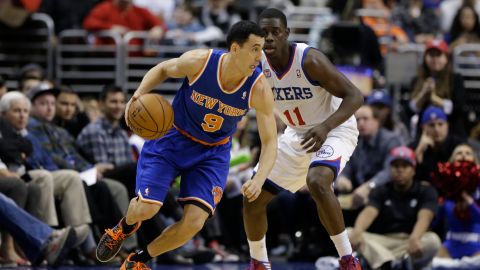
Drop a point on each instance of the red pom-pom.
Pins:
(452, 178)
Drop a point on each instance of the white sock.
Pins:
(342, 243)
(258, 250)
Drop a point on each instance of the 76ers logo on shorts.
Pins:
(325, 152)
(217, 193)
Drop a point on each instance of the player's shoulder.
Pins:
(193, 61)
(314, 57)
(196, 56)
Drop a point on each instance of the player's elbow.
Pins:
(357, 98)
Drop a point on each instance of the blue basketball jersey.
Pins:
(204, 111)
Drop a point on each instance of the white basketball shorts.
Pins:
(291, 167)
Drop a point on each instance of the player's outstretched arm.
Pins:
(320, 69)
(187, 65)
(262, 101)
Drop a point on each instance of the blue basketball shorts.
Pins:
(203, 170)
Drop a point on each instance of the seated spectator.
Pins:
(184, 28)
(448, 9)
(420, 22)
(59, 144)
(67, 14)
(105, 141)
(389, 34)
(465, 27)
(391, 231)
(30, 76)
(437, 85)
(67, 114)
(162, 9)
(3, 86)
(122, 16)
(218, 14)
(368, 165)
(382, 104)
(65, 186)
(36, 239)
(16, 189)
(436, 143)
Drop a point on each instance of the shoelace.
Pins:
(138, 266)
(116, 236)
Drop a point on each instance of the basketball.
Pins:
(150, 116)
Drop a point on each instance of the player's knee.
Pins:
(255, 206)
(145, 210)
(192, 224)
(319, 180)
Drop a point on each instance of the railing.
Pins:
(466, 62)
(31, 42)
(86, 65)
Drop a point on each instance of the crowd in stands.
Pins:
(68, 161)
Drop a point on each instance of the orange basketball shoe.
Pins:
(112, 240)
(348, 262)
(132, 265)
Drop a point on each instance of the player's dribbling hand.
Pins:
(127, 109)
(314, 138)
(251, 189)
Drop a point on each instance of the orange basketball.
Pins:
(150, 116)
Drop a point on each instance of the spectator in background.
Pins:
(389, 35)
(35, 238)
(368, 166)
(420, 22)
(105, 141)
(67, 114)
(465, 27)
(185, 29)
(448, 9)
(397, 218)
(67, 14)
(382, 104)
(436, 144)
(60, 145)
(30, 76)
(437, 85)
(462, 217)
(16, 189)
(122, 16)
(218, 14)
(162, 9)
(3, 86)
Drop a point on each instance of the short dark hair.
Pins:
(273, 13)
(65, 89)
(240, 32)
(109, 88)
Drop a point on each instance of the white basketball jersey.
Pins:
(300, 102)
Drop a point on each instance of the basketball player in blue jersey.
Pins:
(316, 103)
(218, 90)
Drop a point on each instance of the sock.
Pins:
(342, 243)
(258, 250)
(125, 227)
(141, 256)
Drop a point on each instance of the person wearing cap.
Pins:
(437, 85)
(435, 144)
(61, 147)
(29, 77)
(382, 104)
(367, 166)
(391, 232)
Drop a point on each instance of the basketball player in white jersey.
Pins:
(317, 104)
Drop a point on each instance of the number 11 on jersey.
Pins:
(297, 113)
